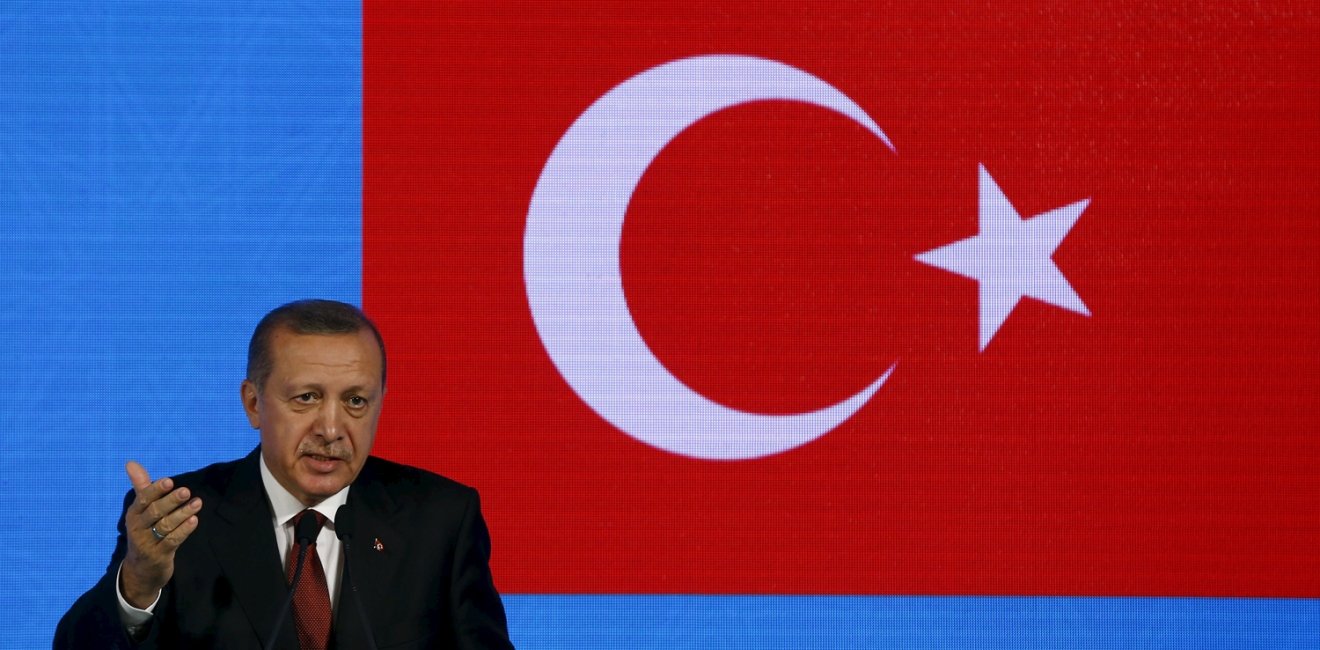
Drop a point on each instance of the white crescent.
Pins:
(571, 257)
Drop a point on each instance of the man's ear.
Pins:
(248, 392)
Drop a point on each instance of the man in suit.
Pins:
(204, 559)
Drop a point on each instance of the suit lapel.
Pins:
(244, 545)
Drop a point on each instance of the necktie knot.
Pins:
(307, 528)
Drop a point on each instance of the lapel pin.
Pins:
(377, 545)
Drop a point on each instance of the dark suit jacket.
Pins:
(428, 586)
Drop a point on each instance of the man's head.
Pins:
(306, 317)
(314, 387)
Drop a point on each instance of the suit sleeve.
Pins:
(93, 620)
(479, 621)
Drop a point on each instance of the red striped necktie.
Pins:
(311, 602)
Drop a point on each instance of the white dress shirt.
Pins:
(286, 507)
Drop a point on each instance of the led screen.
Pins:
(757, 325)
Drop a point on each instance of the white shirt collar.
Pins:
(286, 506)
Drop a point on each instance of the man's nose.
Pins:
(328, 423)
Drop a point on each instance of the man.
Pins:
(204, 559)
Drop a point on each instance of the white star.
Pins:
(1010, 258)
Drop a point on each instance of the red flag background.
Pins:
(1165, 445)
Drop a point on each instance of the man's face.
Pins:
(318, 410)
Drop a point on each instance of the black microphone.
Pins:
(304, 535)
(344, 530)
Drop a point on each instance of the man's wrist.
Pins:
(134, 594)
(130, 614)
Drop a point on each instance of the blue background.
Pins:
(170, 171)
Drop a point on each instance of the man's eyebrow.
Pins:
(302, 385)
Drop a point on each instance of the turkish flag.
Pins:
(1160, 441)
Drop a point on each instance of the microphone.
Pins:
(344, 530)
(304, 535)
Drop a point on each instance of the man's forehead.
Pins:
(290, 335)
(292, 350)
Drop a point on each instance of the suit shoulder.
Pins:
(215, 473)
(397, 475)
(216, 478)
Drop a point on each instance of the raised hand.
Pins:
(157, 523)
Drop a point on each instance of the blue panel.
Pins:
(168, 172)
(955, 623)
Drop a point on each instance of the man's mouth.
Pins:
(323, 463)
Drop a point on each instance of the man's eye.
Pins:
(357, 402)
(305, 398)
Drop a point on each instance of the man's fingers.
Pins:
(181, 533)
(158, 509)
(172, 521)
(147, 491)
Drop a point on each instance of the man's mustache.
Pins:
(332, 451)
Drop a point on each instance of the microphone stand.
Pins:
(344, 529)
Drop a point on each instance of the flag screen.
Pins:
(755, 325)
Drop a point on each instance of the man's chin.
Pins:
(318, 486)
